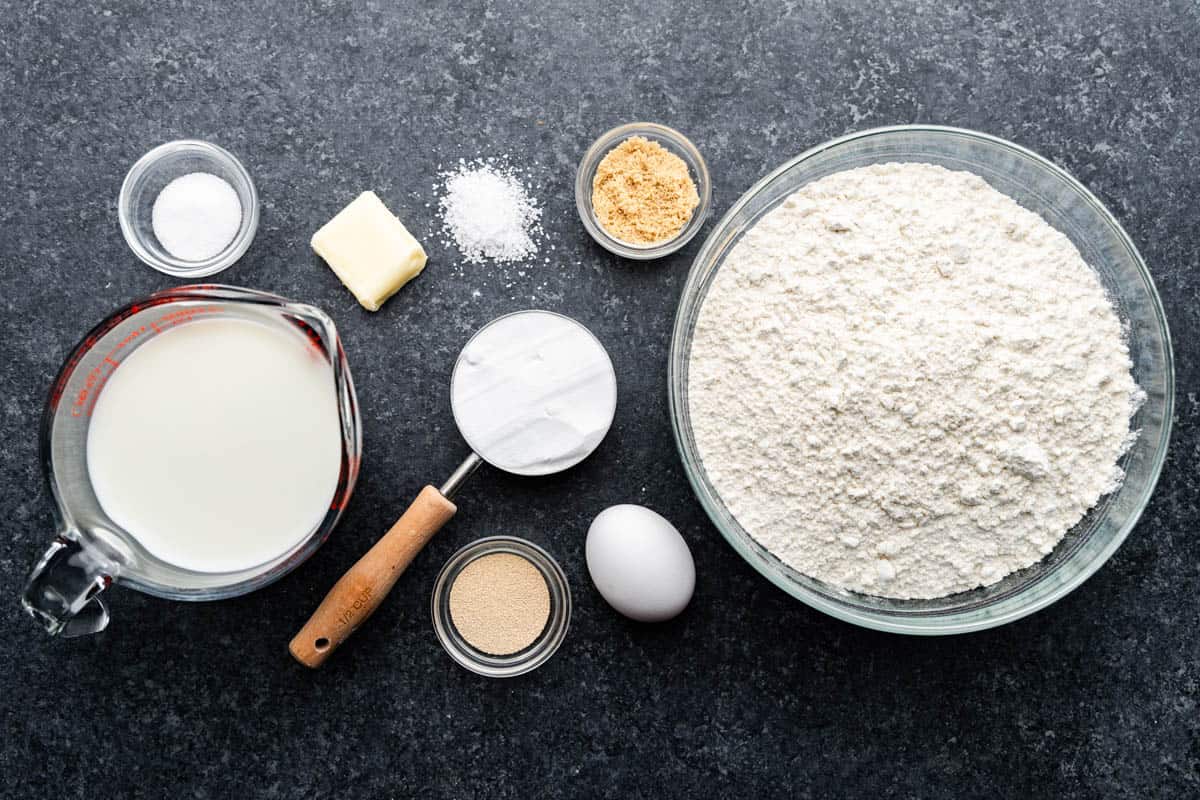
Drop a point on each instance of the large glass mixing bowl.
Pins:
(1063, 202)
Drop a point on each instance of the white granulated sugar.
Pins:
(489, 214)
(904, 384)
(196, 216)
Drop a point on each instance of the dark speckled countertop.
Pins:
(749, 693)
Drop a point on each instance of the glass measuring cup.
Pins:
(91, 551)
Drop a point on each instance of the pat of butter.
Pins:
(370, 250)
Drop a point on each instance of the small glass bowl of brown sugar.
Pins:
(643, 190)
(501, 606)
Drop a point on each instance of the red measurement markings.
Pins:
(182, 315)
(85, 399)
(60, 383)
(310, 333)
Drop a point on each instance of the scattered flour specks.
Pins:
(905, 384)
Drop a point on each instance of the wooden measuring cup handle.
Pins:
(359, 592)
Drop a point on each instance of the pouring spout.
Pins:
(63, 590)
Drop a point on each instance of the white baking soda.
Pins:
(217, 444)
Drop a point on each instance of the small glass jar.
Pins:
(547, 642)
(152, 173)
(673, 141)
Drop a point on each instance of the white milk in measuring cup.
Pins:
(217, 445)
(200, 444)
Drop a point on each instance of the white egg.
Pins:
(640, 563)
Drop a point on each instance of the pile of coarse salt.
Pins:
(488, 213)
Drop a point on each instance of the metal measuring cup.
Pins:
(502, 419)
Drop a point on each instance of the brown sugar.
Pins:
(500, 603)
(642, 193)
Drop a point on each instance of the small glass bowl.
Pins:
(673, 141)
(547, 642)
(154, 171)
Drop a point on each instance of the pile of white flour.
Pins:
(905, 384)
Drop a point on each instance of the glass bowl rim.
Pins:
(170, 265)
(916, 624)
(583, 198)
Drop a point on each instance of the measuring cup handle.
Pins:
(63, 589)
(360, 591)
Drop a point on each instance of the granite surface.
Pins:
(749, 693)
